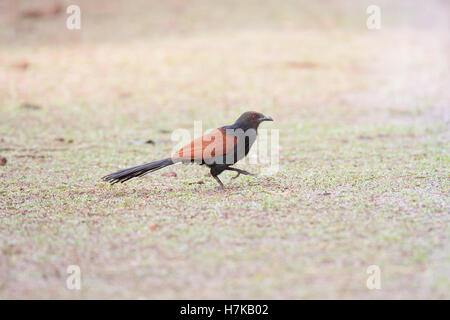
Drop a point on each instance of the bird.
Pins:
(218, 149)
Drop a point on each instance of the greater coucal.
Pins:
(219, 150)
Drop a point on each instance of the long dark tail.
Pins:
(127, 174)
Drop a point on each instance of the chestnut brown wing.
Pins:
(211, 145)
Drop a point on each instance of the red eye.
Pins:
(254, 117)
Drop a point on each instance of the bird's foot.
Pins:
(238, 174)
(221, 186)
(246, 173)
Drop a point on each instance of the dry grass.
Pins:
(363, 119)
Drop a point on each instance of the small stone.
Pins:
(31, 106)
(21, 65)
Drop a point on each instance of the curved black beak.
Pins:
(266, 118)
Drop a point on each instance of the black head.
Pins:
(251, 119)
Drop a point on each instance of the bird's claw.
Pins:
(238, 174)
(244, 173)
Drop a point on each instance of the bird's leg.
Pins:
(220, 182)
(239, 171)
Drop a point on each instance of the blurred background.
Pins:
(189, 55)
(363, 118)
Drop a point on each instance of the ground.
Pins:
(363, 122)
